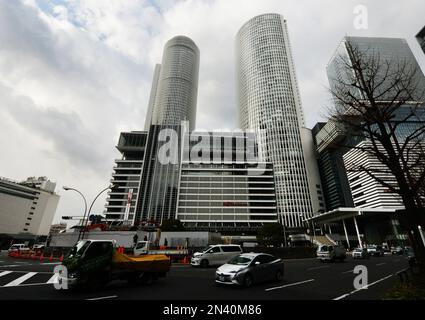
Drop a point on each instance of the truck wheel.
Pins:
(204, 263)
(147, 279)
(133, 278)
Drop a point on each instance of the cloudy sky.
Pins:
(75, 73)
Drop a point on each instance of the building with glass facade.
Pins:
(269, 102)
(375, 51)
(176, 84)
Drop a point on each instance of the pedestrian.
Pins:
(135, 239)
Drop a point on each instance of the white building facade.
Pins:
(269, 102)
(27, 208)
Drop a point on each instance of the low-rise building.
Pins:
(27, 208)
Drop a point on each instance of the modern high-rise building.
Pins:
(421, 38)
(27, 208)
(145, 187)
(152, 97)
(394, 51)
(122, 197)
(227, 190)
(175, 84)
(269, 102)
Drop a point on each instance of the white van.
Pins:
(215, 255)
(18, 247)
(331, 253)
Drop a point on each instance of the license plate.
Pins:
(221, 278)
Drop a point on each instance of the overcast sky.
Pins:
(75, 73)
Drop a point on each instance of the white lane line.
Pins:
(54, 279)
(365, 287)
(11, 266)
(4, 273)
(381, 264)
(29, 285)
(103, 298)
(289, 285)
(49, 263)
(349, 271)
(18, 281)
(316, 268)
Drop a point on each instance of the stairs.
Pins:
(322, 241)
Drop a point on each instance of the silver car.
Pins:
(249, 268)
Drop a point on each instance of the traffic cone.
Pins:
(42, 257)
(51, 257)
(61, 258)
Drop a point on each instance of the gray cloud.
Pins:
(76, 73)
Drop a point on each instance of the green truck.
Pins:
(94, 263)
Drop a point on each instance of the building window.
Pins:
(25, 229)
(32, 208)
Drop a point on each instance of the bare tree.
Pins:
(380, 101)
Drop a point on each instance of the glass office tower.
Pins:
(269, 102)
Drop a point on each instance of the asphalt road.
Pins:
(304, 279)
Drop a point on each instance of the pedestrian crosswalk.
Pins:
(23, 278)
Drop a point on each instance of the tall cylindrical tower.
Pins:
(177, 89)
(269, 102)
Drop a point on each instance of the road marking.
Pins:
(289, 285)
(366, 287)
(54, 279)
(50, 263)
(18, 281)
(349, 271)
(4, 273)
(381, 264)
(103, 298)
(11, 266)
(316, 268)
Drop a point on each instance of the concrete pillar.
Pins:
(357, 231)
(346, 234)
(330, 230)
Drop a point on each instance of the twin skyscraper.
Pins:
(223, 194)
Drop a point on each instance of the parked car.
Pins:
(215, 255)
(249, 268)
(375, 250)
(397, 250)
(18, 247)
(331, 253)
(360, 253)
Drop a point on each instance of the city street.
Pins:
(304, 279)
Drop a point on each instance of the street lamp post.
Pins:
(86, 213)
(91, 206)
(85, 207)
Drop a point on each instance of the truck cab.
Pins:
(93, 263)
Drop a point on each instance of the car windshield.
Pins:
(240, 260)
(324, 248)
(79, 248)
(206, 249)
